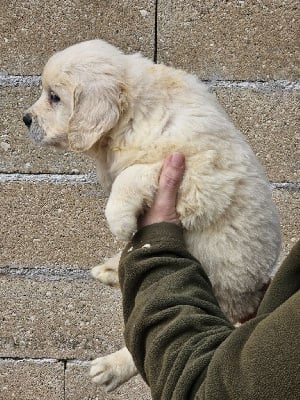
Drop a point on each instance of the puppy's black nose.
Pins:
(27, 119)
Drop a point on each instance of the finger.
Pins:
(170, 178)
(163, 208)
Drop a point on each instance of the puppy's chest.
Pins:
(110, 163)
(103, 169)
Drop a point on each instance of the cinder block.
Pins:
(79, 387)
(288, 202)
(270, 122)
(241, 40)
(51, 224)
(268, 119)
(18, 154)
(32, 31)
(31, 380)
(59, 318)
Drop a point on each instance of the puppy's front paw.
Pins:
(107, 274)
(122, 225)
(113, 370)
(124, 231)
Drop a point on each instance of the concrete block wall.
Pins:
(53, 316)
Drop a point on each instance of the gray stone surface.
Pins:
(39, 379)
(31, 31)
(288, 202)
(270, 121)
(31, 380)
(242, 40)
(54, 224)
(59, 319)
(79, 387)
(49, 225)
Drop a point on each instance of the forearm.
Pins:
(181, 342)
(173, 323)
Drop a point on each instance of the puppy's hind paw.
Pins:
(106, 274)
(104, 374)
(113, 370)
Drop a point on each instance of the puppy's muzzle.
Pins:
(27, 119)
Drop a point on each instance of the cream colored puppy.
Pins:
(128, 114)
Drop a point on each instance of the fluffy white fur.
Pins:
(128, 114)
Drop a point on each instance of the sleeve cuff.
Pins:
(160, 235)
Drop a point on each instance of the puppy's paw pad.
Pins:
(106, 274)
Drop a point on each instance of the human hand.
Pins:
(163, 208)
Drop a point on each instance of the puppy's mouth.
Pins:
(37, 134)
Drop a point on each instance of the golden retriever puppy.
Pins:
(128, 114)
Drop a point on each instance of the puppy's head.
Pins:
(83, 96)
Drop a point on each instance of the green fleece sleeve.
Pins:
(181, 342)
(173, 321)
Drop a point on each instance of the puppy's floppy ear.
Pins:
(97, 107)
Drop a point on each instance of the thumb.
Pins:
(170, 178)
(163, 208)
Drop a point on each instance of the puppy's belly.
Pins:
(236, 269)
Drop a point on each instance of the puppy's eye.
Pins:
(53, 98)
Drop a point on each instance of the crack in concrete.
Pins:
(290, 186)
(46, 273)
(19, 80)
(48, 178)
(155, 33)
(65, 361)
(31, 360)
(7, 80)
(92, 179)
